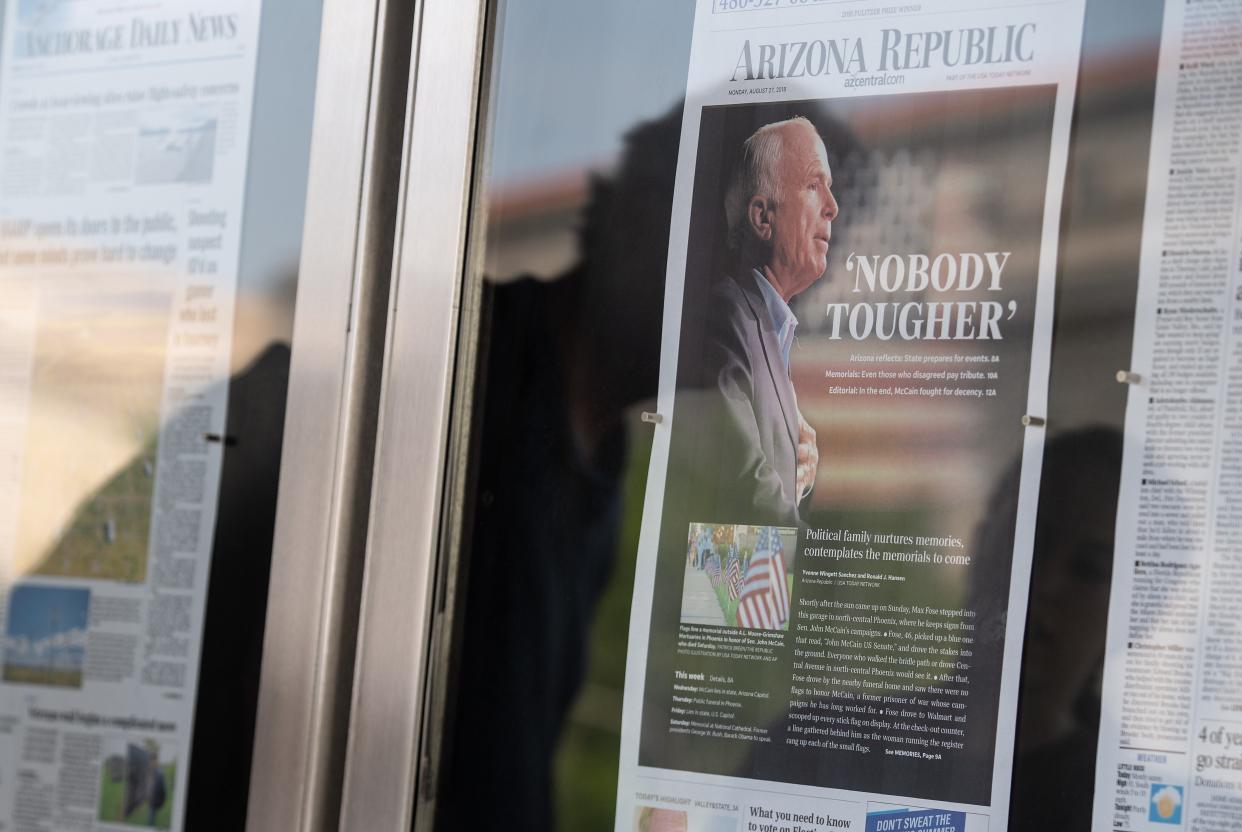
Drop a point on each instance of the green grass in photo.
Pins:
(57, 677)
(112, 795)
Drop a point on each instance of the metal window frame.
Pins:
(411, 520)
(328, 448)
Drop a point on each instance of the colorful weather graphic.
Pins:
(1166, 804)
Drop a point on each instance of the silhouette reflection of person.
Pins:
(567, 357)
(1063, 655)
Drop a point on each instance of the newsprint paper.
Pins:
(124, 130)
(835, 552)
(1170, 744)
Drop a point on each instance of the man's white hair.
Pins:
(756, 174)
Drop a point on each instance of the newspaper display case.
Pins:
(720, 415)
(708, 574)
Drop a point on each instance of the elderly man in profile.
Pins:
(779, 208)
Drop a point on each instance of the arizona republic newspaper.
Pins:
(836, 542)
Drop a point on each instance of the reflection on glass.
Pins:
(582, 160)
(86, 485)
(1063, 659)
(580, 200)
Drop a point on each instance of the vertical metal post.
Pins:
(408, 488)
(328, 451)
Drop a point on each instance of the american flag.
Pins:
(765, 594)
(713, 570)
(734, 576)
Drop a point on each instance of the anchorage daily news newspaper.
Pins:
(124, 133)
(836, 543)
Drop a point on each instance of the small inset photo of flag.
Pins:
(738, 576)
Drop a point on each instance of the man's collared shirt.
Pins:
(783, 319)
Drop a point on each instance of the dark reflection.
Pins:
(1063, 655)
(241, 558)
(563, 361)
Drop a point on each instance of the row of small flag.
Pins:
(731, 578)
(764, 594)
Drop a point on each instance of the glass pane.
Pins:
(582, 142)
(153, 163)
(578, 195)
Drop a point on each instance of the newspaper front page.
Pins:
(1170, 744)
(124, 132)
(835, 552)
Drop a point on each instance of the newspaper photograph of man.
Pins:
(779, 208)
(738, 576)
(136, 783)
